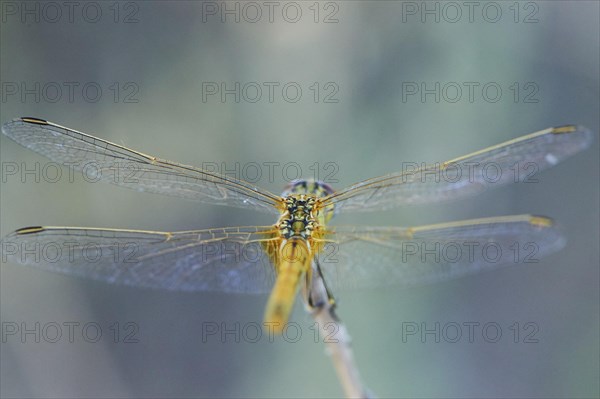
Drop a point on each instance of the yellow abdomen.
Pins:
(294, 261)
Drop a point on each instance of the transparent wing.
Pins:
(373, 256)
(105, 161)
(227, 259)
(516, 160)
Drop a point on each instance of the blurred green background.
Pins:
(165, 53)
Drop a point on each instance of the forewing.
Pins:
(516, 160)
(101, 160)
(226, 260)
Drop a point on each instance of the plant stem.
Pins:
(335, 337)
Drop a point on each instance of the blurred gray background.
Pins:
(161, 53)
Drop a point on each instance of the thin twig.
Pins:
(335, 337)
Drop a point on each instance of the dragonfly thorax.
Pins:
(298, 220)
(318, 214)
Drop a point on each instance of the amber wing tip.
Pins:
(29, 230)
(541, 221)
(581, 133)
(565, 129)
(36, 121)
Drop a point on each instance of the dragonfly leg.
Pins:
(314, 297)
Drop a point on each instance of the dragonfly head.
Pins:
(308, 186)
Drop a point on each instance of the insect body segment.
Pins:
(298, 220)
(295, 259)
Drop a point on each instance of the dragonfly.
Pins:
(282, 258)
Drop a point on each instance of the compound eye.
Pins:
(327, 188)
(295, 186)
